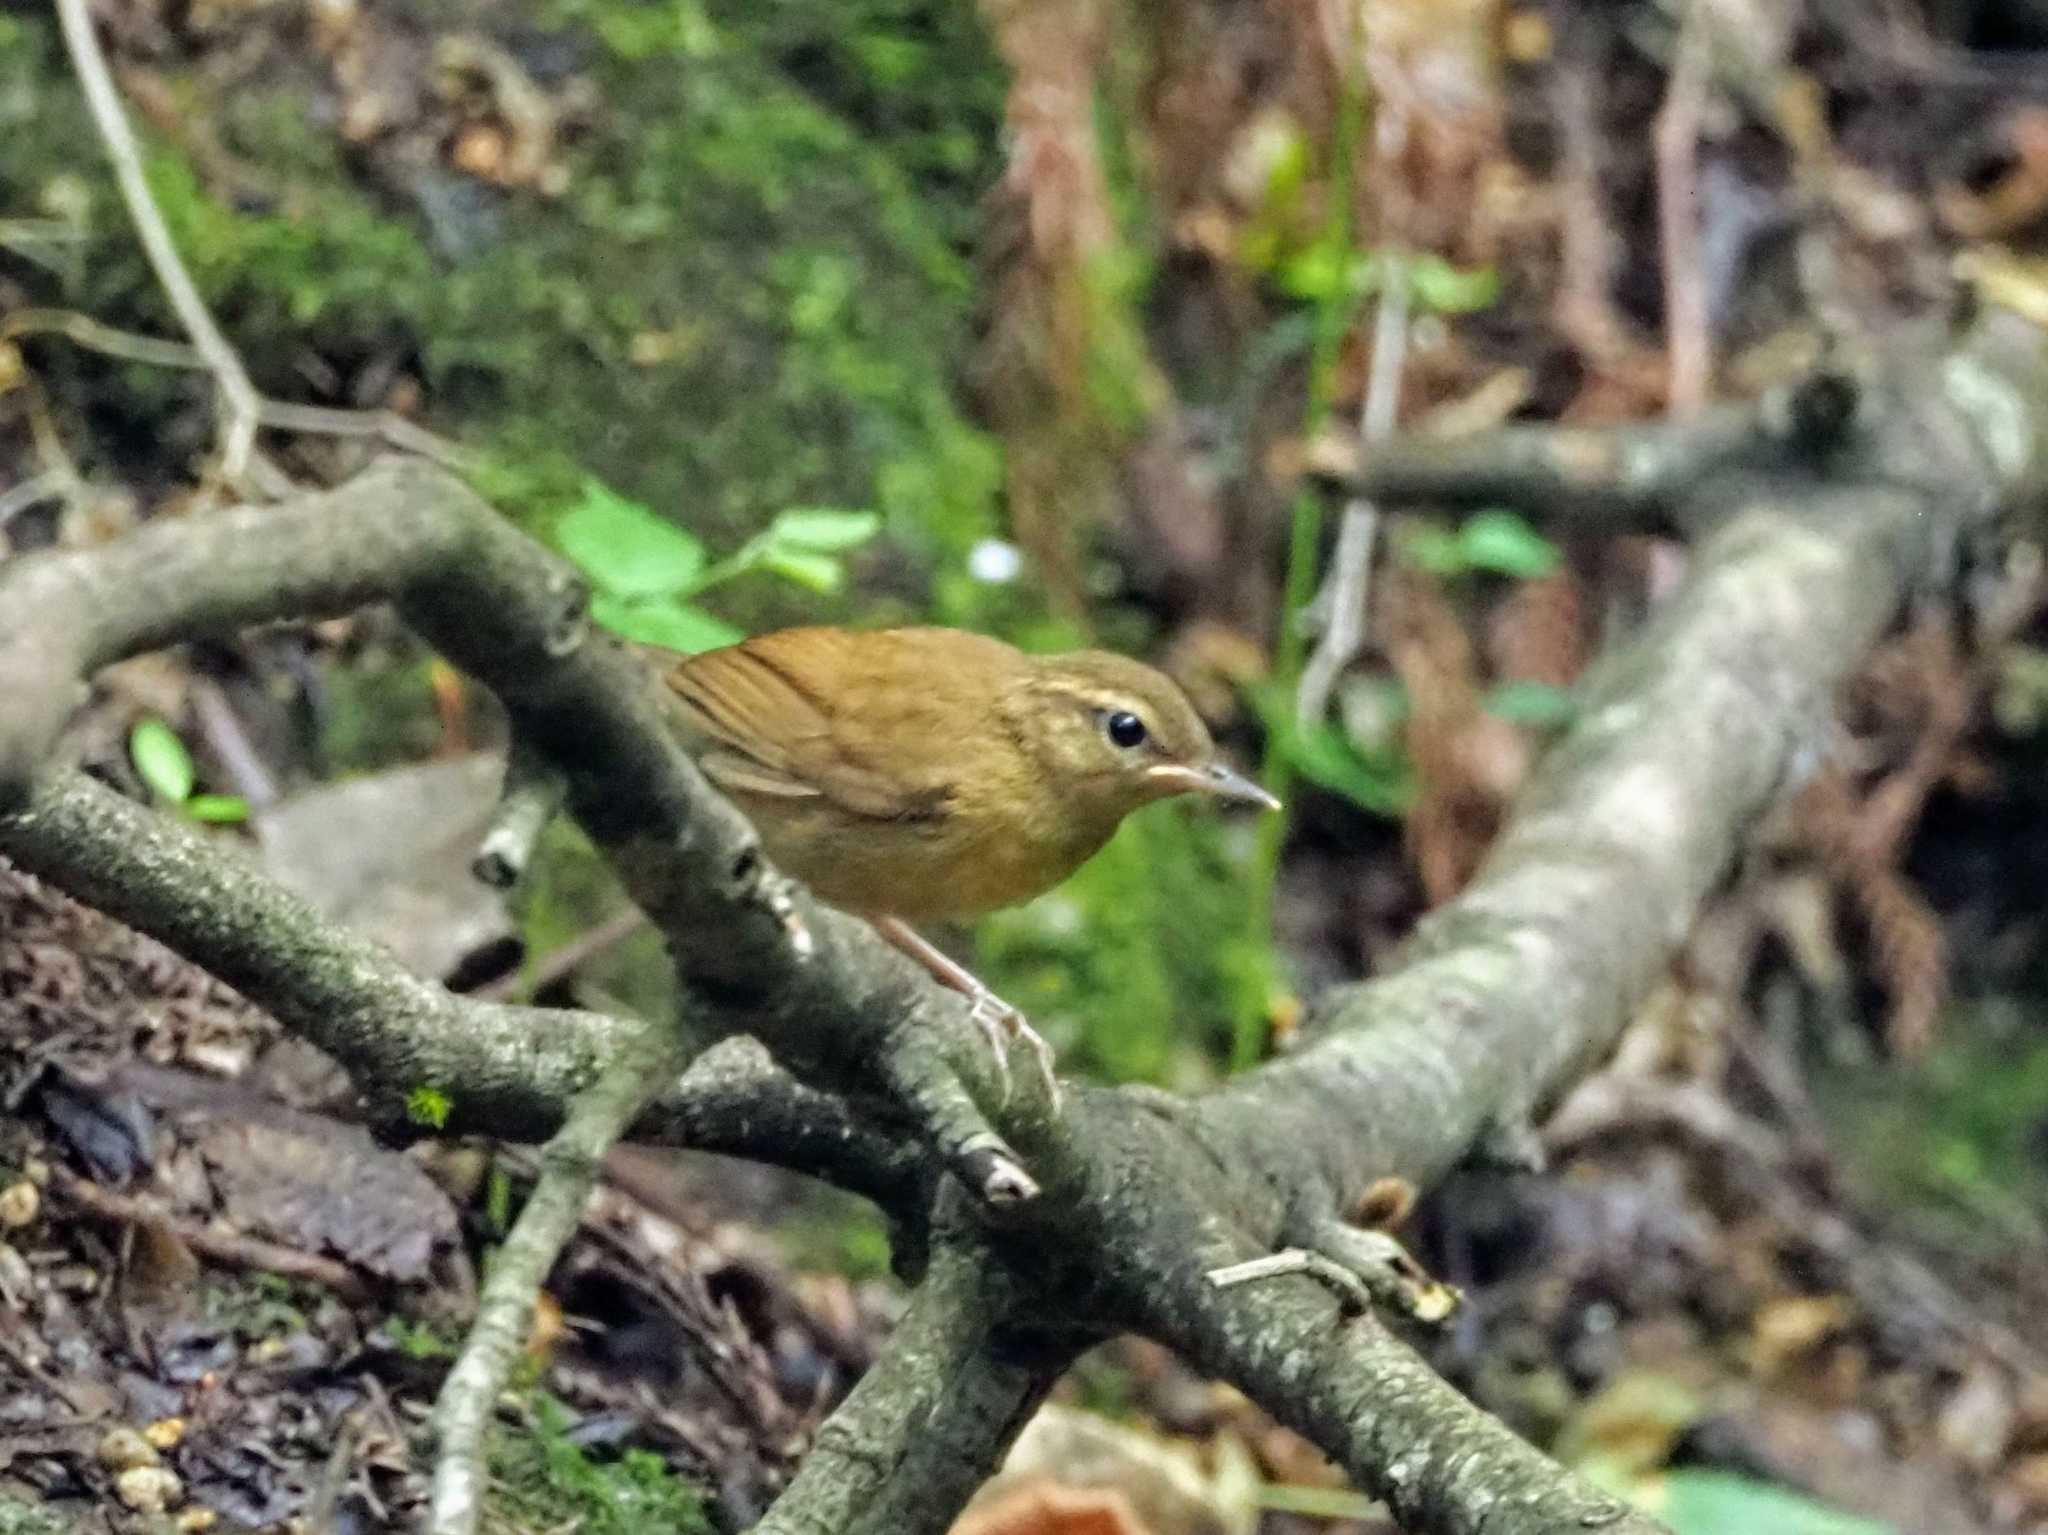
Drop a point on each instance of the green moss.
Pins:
(1954, 1145)
(1139, 963)
(543, 1480)
(19, 1517)
(836, 1233)
(326, 264)
(754, 292)
(571, 889)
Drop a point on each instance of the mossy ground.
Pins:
(755, 290)
(543, 1480)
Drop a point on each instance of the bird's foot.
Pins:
(1000, 1023)
(1364, 1268)
(1003, 1025)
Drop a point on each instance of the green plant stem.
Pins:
(1319, 1502)
(1334, 313)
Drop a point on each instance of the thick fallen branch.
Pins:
(1506, 996)
(930, 1420)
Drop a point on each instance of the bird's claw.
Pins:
(988, 1012)
(1364, 1268)
(1002, 1024)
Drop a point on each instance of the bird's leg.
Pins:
(996, 1018)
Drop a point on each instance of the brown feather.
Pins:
(927, 773)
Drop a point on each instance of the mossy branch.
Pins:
(1507, 995)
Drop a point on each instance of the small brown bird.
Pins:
(920, 775)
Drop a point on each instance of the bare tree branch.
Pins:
(1345, 596)
(532, 794)
(1369, 1400)
(506, 1071)
(834, 1003)
(283, 415)
(1688, 327)
(1505, 996)
(1643, 477)
(930, 1420)
(570, 1164)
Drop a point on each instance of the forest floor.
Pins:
(1785, 1270)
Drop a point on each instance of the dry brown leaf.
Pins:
(1791, 1328)
(1075, 1473)
(1046, 1508)
(2018, 199)
(1467, 762)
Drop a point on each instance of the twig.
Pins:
(222, 1246)
(394, 429)
(1639, 477)
(279, 415)
(1365, 1268)
(47, 486)
(97, 337)
(319, 1519)
(1296, 1260)
(59, 468)
(532, 794)
(570, 1164)
(511, 1071)
(238, 394)
(229, 739)
(1686, 327)
(1350, 583)
(1584, 307)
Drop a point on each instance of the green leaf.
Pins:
(218, 809)
(822, 529)
(1315, 273)
(1383, 782)
(162, 760)
(819, 572)
(1434, 550)
(1697, 1501)
(625, 548)
(1502, 542)
(1330, 269)
(665, 622)
(1531, 703)
(1439, 286)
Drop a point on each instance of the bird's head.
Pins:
(1115, 735)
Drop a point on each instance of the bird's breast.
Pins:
(965, 860)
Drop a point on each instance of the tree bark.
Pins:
(1506, 996)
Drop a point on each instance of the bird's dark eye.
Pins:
(1125, 729)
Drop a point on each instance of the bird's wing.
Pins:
(769, 717)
